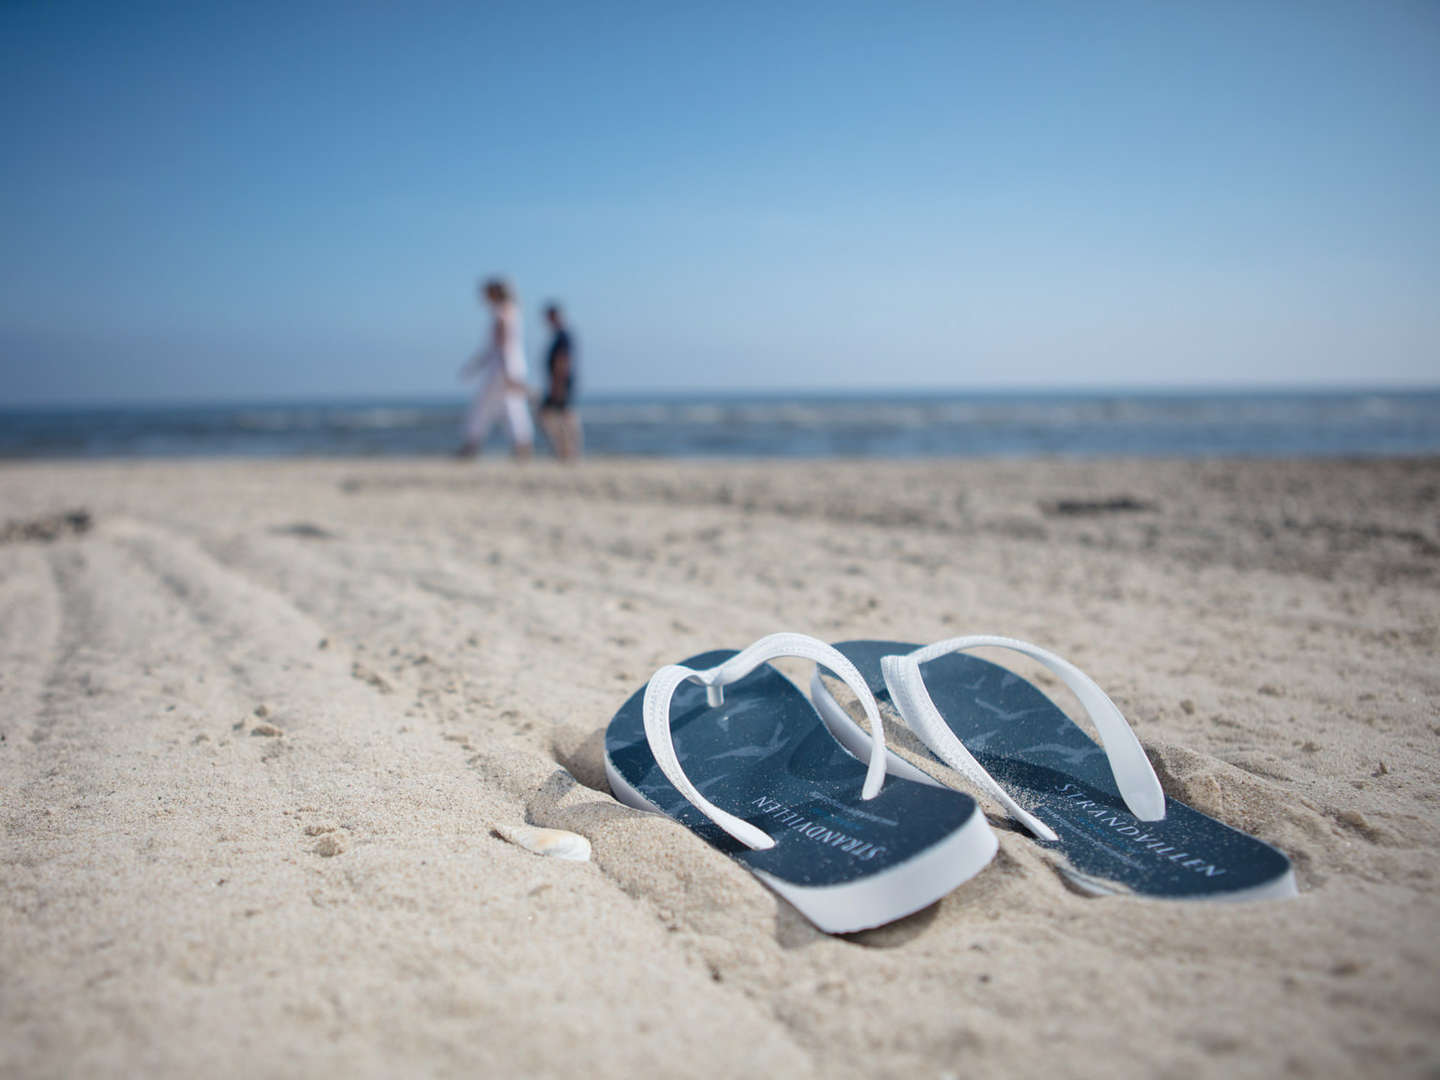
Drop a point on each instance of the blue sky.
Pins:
(285, 200)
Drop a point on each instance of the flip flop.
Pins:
(847, 845)
(1098, 806)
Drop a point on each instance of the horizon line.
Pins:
(616, 394)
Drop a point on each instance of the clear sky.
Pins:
(270, 200)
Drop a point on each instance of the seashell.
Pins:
(557, 843)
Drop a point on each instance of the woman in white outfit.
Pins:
(501, 369)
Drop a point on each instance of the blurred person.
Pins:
(500, 366)
(557, 409)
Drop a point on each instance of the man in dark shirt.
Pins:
(557, 409)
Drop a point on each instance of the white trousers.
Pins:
(494, 402)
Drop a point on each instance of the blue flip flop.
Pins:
(1099, 806)
(730, 748)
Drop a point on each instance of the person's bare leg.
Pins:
(574, 435)
(550, 423)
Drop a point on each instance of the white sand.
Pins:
(440, 647)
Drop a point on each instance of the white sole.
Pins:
(880, 898)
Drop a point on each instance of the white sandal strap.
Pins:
(855, 738)
(668, 679)
(1134, 775)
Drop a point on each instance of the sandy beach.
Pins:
(259, 723)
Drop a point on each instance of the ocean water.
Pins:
(1269, 424)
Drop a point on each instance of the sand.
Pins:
(261, 722)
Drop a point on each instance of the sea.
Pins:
(1310, 424)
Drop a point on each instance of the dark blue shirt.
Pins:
(561, 394)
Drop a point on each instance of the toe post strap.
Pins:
(1134, 775)
(661, 691)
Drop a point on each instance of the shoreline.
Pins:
(910, 426)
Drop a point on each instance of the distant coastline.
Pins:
(1144, 422)
(623, 394)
